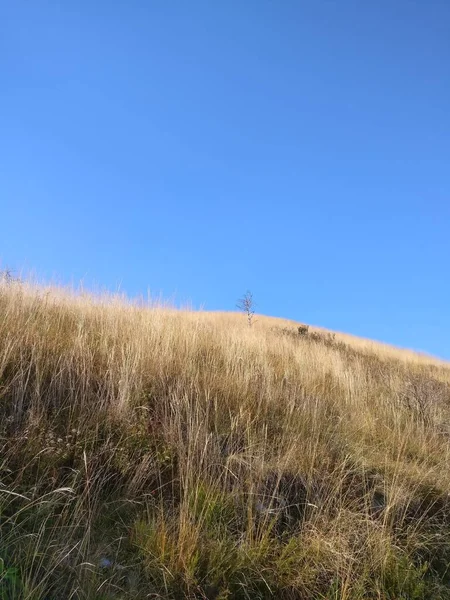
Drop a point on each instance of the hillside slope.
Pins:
(154, 453)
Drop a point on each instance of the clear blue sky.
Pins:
(300, 149)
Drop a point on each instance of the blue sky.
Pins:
(299, 149)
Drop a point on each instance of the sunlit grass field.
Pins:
(148, 452)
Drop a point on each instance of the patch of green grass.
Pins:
(10, 581)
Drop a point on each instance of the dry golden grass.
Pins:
(153, 453)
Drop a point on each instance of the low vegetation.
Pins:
(152, 453)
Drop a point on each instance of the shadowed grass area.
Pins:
(152, 453)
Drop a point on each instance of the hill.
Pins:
(147, 452)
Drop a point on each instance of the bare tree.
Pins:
(6, 276)
(247, 305)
